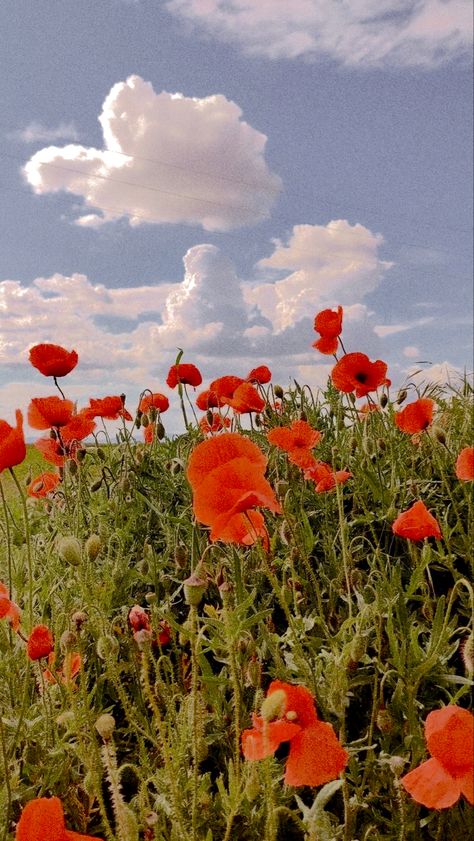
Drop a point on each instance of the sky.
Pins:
(209, 174)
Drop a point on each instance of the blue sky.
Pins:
(317, 153)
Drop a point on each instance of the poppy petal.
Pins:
(316, 756)
(431, 785)
(257, 744)
(42, 819)
(214, 452)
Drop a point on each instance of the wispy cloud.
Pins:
(419, 33)
(167, 158)
(383, 330)
(37, 133)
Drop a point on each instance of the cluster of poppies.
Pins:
(298, 440)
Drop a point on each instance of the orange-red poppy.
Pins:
(289, 714)
(465, 464)
(110, 408)
(416, 417)
(67, 672)
(355, 372)
(215, 452)
(149, 433)
(208, 400)
(43, 484)
(183, 373)
(261, 375)
(52, 450)
(78, 428)
(297, 440)
(225, 387)
(440, 781)
(417, 523)
(42, 819)
(47, 412)
(329, 326)
(245, 399)
(8, 609)
(40, 642)
(12, 443)
(218, 423)
(159, 402)
(325, 478)
(53, 360)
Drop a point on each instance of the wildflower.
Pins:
(289, 714)
(52, 450)
(415, 417)
(208, 400)
(53, 360)
(325, 478)
(297, 440)
(43, 484)
(71, 667)
(139, 618)
(109, 408)
(355, 372)
(183, 373)
(40, 642)
(42, 819)
(261, 375)
(440, 781)
(329, 326)
(224, 387)
(12, 443)
(79, 427)
(157, 400)
(465, 464)
(217, 423)
(221, 450)
(8, 609)
(245, 399)
(46, 412)
(417, 523)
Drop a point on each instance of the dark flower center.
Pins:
(361, 377)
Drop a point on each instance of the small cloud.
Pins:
(411, 351)
(37, 133)
(383, 330)
(441, 373)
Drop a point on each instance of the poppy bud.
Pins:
(105, 726)
(150, 598)
(381, 444)
(101, 454)
(143, 566)
(152, 413)
(180, 557)
(93, 545)
(438, 434)
(357, 649)
(274, 705)
(123, 398)
(145, 421)
(29, 478)
(72, 467)
(81, 454)
(225, 590)
(285, 533)
(194, 589)
(467, 654)
(252, 788)
(67, 640)
(402, 395)
(176, 466)
(107, 647)
(303, 416)
(397, 764)
(70, 550)
(278, 391)
(160, 431)
(79, 617)
(384, 721)
(253, 672)
(95, 486)
(257, 420)
(383, 400)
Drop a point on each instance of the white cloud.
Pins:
(419, 33)
(383, 330)
(411, 351)
(441, 373)
(168, 158)
(37, 133)
(332, 264)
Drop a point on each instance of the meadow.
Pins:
(239, 633)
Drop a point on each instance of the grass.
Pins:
(371, 623)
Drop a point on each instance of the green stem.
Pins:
(28, 547)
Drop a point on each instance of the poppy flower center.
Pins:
(291, 715)
(361, 377)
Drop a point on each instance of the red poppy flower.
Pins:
(139, 618)
(183, 373)
(325, 478)
(78, 428)
(149, 433)
(355, 372)
(297, 440)
(67, 672)
(245, 399)
(159, 402)
(52, 450)
(208, 400)
(218, 423)
(417, 523)
(42, 819)
(416, 416)
(329, 325)
(53, 360)
(215, 452)
(261, 375)
(40, 642)
(8, 609)
(465, 464)
(289, 714)
(12, 443)
(109, 408)
(225, 387)
(440, 781)
(43, 484)
(47, 412)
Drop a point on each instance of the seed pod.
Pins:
(70, 550)
(105, 726)
(194, 589)
(93, 545)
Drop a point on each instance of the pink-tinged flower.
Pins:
(53, 360)
(465, 465)
(325, 478)
(9, 610)
(417, 523)
(12, 443)
(416, 417)
(439, 782)
(183, 373)
(289, 715)
(139, 618)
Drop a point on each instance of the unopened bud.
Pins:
(278, 391)
(105, 726)
(180, 556)
(95, 486)
(107, 647)
(274, 705)
(402, 395)
(143, 566)
(72, 467)
(145, 421)
(194, 589)
(438, 434)
(358, 648)
(383, 400)
(467, 654)
(79, 617)
(257, 420)
(93, 545)
(101, 454)
(81, 454)
(70, 550)
(382, 444)
(160, 431)
(67, 640)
